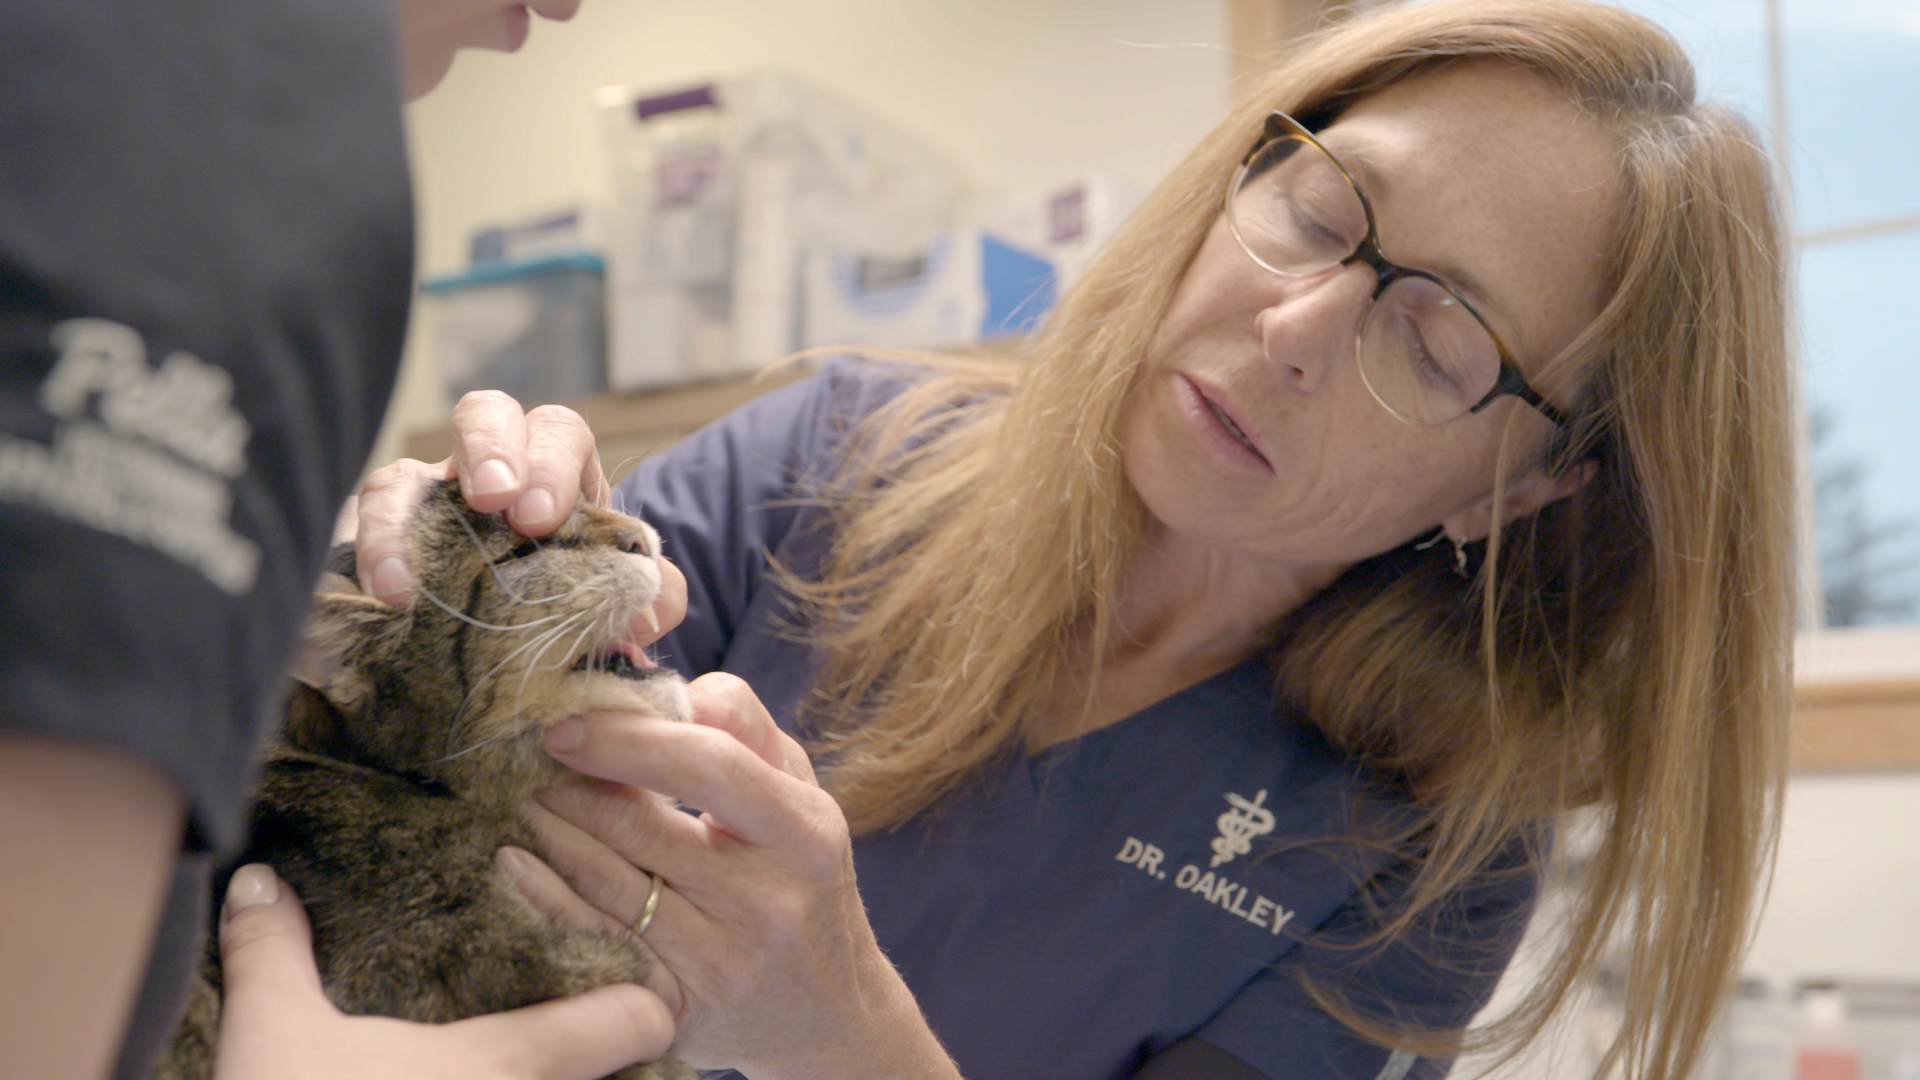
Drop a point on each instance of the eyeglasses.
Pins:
(1425, 354)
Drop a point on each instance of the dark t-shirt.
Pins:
(205, 263)
(1153, 881)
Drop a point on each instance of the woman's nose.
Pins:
(1309, 330)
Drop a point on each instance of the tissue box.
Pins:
(966, 287)
(535, 329)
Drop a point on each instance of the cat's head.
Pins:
(506, 637)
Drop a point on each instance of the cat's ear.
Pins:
(345, 630)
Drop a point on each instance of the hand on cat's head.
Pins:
(531, 465)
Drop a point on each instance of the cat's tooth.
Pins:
(653, 621)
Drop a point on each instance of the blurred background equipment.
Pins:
(534, 327)
(723, 189)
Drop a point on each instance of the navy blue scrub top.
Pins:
(1108, 896)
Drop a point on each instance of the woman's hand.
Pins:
(767, 959)
(277, 1024)
(532, 465)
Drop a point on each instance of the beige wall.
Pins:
(1024, 93)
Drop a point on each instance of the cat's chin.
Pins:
(508, 761)
(654, 691)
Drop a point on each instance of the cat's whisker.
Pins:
(481, 745)
(542, 641)
(586, 633)
(601, 624)
(556, 597)
(619, 469)
(603, 613)
(481, 547)
(471, 621)
(545, 642)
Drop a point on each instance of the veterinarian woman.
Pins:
(205, 256)
(1201, 684)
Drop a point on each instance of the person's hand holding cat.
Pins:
(767, 959)
(279, 1024)
(530, 465)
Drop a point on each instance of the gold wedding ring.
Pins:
(653, 904)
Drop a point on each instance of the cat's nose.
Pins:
(641, 541)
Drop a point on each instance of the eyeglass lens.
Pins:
(1423, 354)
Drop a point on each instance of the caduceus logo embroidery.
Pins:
(1247, 819)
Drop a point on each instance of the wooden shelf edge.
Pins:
(1857, 726)
(653, 419)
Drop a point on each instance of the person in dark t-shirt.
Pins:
(205, 266)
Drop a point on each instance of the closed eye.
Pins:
(520, 552)
(1312, 227)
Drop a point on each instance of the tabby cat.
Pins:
(411, 742)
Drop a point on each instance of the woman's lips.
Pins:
(1218, 423)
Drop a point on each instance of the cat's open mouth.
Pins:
(621, 658)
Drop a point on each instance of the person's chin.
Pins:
(500, 30)
(514, 24)
(425, 69)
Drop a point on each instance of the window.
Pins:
(1837, 83)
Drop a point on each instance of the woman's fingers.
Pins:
(604, 840)
(579, 1038)
(725, 702)
(490, 450)
(581, 834)
(669, 605)
(755, 800)
(549, 893)
(531, 465)
(563, 459)
(759, 919)
(387, 501)
(266, 944)
(277, 1022)
(612, 896)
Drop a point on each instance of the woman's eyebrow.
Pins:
(1373, 181)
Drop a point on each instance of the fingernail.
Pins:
(535, 505)
(391, 577)
(251, 886)
(510, 861)
(490, 477)
(566, 736)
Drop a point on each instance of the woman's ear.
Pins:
(1523, 495)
